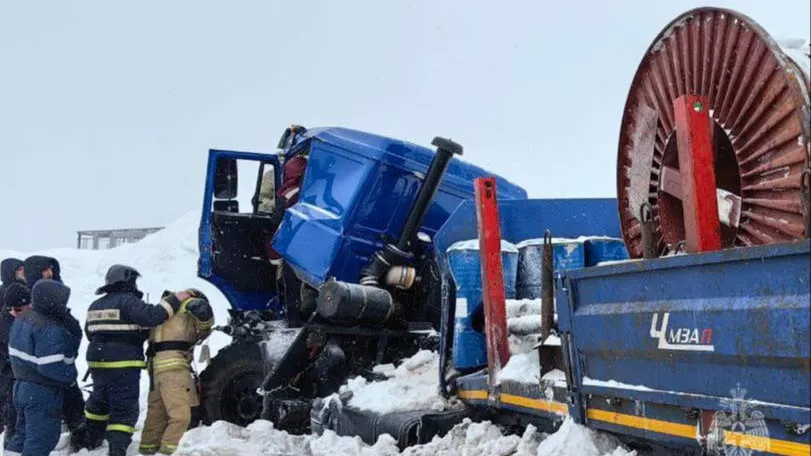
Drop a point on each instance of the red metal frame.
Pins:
(697, 167)
(493, 294)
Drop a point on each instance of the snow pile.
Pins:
(555, 376)
(414, 385)
(521, 368)
(479, 439)
(261, 438)
(524, 316)
(526, 368)
(575, 440)
(518, 308)
(465, 439)
(524, 326)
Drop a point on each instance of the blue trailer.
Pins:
(686, 352)
(700, 342)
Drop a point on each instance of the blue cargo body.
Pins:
(357, 192)
(656, 339)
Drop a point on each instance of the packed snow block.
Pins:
(408, 428)
(470, 350)
(567, 254)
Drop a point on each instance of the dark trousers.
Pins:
(112, 408)
(5, 388)
(39, 418)
(7, 408)
(73, 408)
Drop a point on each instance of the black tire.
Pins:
(230, 382)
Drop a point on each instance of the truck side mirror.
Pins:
(225, 178)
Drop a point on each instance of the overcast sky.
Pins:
(108, 108)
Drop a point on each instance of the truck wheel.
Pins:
(230, 382)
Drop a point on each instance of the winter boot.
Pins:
(148, 449)
(93, 434)
(167, 449)
(79, 439)
(118, 442)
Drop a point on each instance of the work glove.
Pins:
(195, 293)
(175, 300)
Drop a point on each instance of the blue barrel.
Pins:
(567, 254)
(469, 345)
(599, 249)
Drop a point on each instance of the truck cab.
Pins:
(356, 194)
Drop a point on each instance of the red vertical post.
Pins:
(495, 314)
(697, 167)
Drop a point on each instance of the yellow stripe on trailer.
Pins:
(762, 444)
(536, 404)
(519, 401)
(648, 424)
(474, 395)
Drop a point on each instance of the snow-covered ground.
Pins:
(411, 386)
(168, 261)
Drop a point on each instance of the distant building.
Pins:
(108, 239)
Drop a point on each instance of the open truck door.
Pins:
(236, 225)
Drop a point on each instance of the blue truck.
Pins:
(698, 353)
(368, 209)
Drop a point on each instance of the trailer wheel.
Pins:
(230, 382)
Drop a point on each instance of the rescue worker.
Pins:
(43, 353)
(117, 326)
(173, 390)
(37, 268)
(16, 300)
(11, 272)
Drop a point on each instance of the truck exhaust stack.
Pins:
(368, 302)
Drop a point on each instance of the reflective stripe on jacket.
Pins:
(117, 326)
(171, 344)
